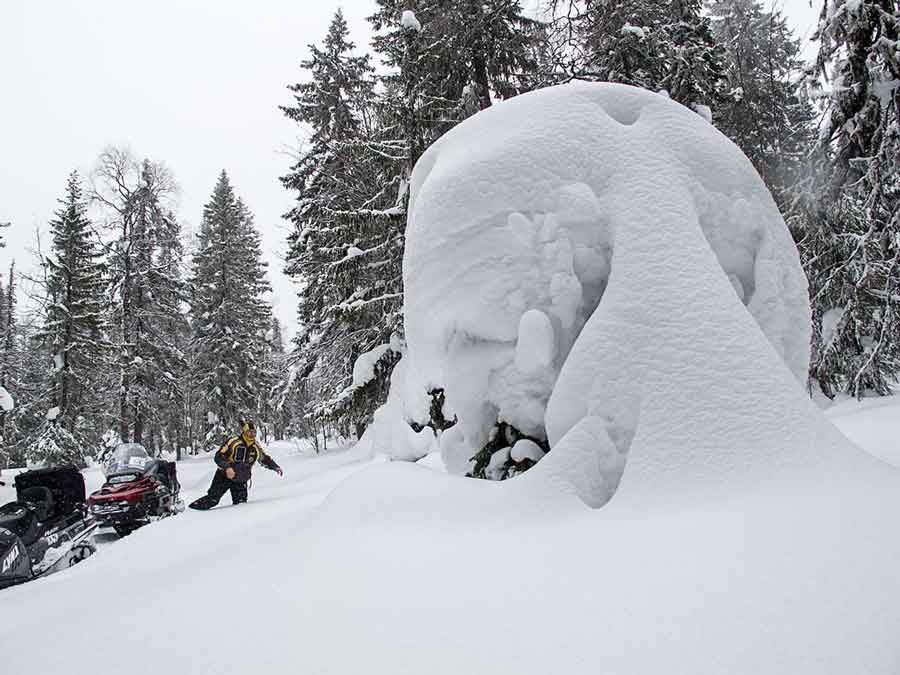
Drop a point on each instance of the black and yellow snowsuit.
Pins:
(239, 454)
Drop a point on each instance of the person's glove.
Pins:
(229, 473)
(279, 471)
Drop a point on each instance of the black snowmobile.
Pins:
(47, 528)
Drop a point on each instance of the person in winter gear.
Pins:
(235, 460)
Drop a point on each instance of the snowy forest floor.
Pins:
(249, 589)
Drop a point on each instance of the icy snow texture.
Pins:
(408, 20)
(607, 205)
(53, 413)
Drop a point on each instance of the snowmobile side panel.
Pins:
(15, 564)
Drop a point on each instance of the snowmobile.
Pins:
(47, 528)
(138, 490)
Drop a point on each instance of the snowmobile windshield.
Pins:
(128, 458)
(128, 477)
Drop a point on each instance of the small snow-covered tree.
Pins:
(848, 218)
(53, 445)
(230, 317)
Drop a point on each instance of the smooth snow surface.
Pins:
(404, 571)
(872, 423)
(668, 280)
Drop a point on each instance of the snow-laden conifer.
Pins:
(75, 316)
(145, 287)
(661, 46)
(230, 317)
(849, 218)
(346, 243)
(761, 110)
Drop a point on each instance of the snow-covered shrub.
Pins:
(583, 205)
(54, 446)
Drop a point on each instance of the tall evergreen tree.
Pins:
(450, 59)
(75, 315)
(145, 289)
(346, 241)
(230, 317)
(849, 218)
(761, 111)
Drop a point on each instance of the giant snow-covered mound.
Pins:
(589, 262)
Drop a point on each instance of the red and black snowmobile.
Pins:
(138, 490)
(47, 528)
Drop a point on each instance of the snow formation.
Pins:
(576, 253)
(6, 400)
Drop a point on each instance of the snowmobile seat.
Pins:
(19, 519)
(40, 499)
(65, 483)
(164, 472)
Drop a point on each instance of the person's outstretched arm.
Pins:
(269, 463)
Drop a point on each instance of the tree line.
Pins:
(129, 342)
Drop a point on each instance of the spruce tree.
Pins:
(848, 220)
(665, 45)
(230, 317)
(75, 317)
(346, 240)
(762, 111)
(451, 59)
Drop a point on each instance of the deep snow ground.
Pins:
(391, 576)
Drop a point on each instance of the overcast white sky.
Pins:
(194, 83)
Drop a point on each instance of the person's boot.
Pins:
(202, 504)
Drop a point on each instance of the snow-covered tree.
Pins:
(53, 445)
(657, 45)
(346, 241)
(230, 317)
(75, 316)
(848, 220)
(761, 110)
(449, 59)
(145, 289)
